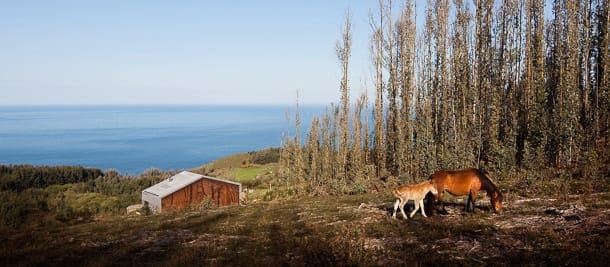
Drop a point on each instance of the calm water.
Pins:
(132, 139)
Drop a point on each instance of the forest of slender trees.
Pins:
(499, 85)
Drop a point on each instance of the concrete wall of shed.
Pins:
(153, 201)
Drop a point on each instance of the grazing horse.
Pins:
(466, 182)
(417, 192)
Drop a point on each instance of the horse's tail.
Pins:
(396, 193)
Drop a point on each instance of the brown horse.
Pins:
(466, 182)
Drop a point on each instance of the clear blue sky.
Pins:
(177, 52)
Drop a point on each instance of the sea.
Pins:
(132, 139)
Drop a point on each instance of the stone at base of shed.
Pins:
(137, 209)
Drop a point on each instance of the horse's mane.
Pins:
(485, 174)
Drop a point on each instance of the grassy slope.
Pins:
(326, 231)
(238, 167)
(347, 230)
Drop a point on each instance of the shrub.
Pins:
(266, 156)
(17, 207)
(21, 177)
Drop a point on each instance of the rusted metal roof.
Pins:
(179, 181)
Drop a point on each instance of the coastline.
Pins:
(134, 138)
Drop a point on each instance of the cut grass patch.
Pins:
(247, 174)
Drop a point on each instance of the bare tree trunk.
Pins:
(343, 50)
(377, 43)
(406, 36)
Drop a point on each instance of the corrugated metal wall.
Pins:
(222, 194)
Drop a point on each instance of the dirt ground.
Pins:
(572, 230)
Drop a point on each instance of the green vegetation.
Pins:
(252, 173)
(21, 177)
(43, 196)
(106, 195)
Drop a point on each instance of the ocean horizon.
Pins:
(134, 138)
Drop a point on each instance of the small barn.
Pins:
(187, 188)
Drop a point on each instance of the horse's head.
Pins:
(496, 200)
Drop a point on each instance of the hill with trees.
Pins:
(503, 87)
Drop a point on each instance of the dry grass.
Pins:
(330, 231)
(547, 222)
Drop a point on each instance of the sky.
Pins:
(178, 52)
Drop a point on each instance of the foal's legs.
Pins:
(416, 204)
(421, 206)
(399, 204)
(396, 207)
(402, 208)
